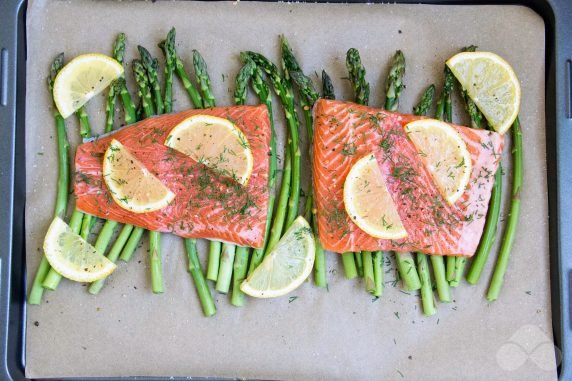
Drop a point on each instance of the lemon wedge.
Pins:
(132, 186)
(216, 142)
(83, 78)
(491, 83)
(444, 154)
(286, 266)
(72, 256)
(368, 201)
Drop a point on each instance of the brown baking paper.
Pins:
(338, 333)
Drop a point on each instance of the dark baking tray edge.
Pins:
(557, 15)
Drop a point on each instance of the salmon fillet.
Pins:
(346, 132)
(206, 204)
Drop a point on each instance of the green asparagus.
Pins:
(327, 86)
(283, 90)
(203, 79)
(514, 212)
(203, 291)
(152, 68)
(394, 83)
(308, 96)
(143, 76)
(168, 47)
(437, 261)
(62, 193)
(427, 298)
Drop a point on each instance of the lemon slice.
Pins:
(491, 83)
(72, 256)
(216, 142)
(286, 266)
(132, 186)
(83, 78)
(445, 155)
(368, 202)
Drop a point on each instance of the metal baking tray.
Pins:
(557, 16)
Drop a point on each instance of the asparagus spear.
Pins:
(368, 272)
(213, 260)
(250, 72)
(225, 270)
(286, 211)
(444, 108)
(359, 263)
(393, 86)
(282, 206)
(320, 260)
(215, 247)
(514, 212)
(426, 100)
(378, 273)
(194, 95)
(110, 107)
(445, 112)
(118, 87)
(131, 244)
(143, 74)
(327, 86)
(197, 274)
(168, 47)
(427, 299)
(308, 96)
(113, 255)
(240, 267)
(282, 89)
(84, 125)
(156, 262)
(127, 101)
(438, 262)
(203, 79)
(37, 290)
(349, 262)
(201, 285)
(491, 222)
(53, 278)
(118, 54)
(195, 269)
(243, 79)
(152, 67)
(394, 83)
(85, 132)
(121, 86)
(239, 271)
(240, 93)
(140, 75)
(361, 89)
(357, 76)
(174, 64)
(487, 238)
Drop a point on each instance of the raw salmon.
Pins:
(346, 132)
(206, 205)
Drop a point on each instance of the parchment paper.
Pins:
(339, 333)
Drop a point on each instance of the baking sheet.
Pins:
(341, 333)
